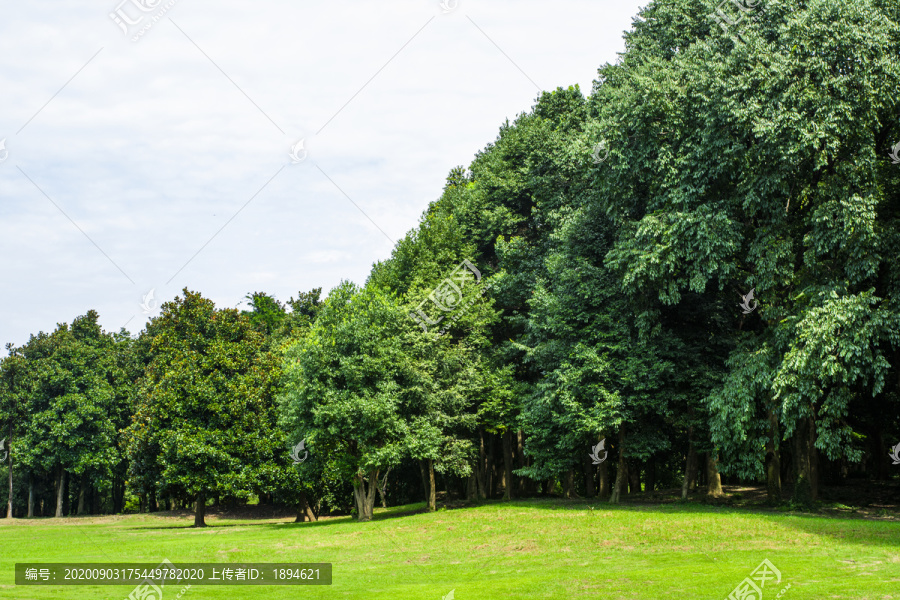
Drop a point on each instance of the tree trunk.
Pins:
(365, 497)
(713, 479)
(805, 491)
(813, 460)
(882, 469)
(60, 493)
(569, 485)
(9, 507)
(424, 480)
(82, 484)
(621, 471)
(480, 469)
(590, 473)
(490, 475)
(116, 507)
(690, 467)
(509, 488)
(200, 510)
(550, 485)
(520, 462)
(634, 478)
(432, 487)
(773, 461)
(30, 496)
(650, 485)
(604, 480)
(382, 488)
(426, 467)
(303, 510)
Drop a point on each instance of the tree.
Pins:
(365, 388)
(204, 418)
(73, 391)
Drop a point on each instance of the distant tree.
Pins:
(266, 314)
(74, 393)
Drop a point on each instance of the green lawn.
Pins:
(524, 549)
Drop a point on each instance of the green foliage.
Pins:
(204, 414)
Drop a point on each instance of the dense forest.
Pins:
(695, 264)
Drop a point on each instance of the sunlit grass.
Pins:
(525, 549)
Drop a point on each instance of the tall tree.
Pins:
(205, 413)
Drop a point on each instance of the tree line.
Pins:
(694, 264)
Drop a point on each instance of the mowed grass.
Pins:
(524, 549)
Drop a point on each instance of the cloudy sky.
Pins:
(147, 144)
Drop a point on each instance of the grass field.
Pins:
(524, 549)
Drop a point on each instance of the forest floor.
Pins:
(530, 548)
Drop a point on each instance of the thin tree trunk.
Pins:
(9, 507)
(424, 480)
(690, 469)
(200, 510)
(805, 491)
(382, 489)
(520, 461)
(650, 485)
(428, 484)
(621, 471)
(813, 460)
(490, 474)
(634, 478)
(569, 484)
(471, 488)
(604, 480)
(82, 484)
(773, 461)
(432, 488)
(480, 469)
(30, 496)
(590, 473)
(508, 489)
(60, 492)
(713, 479)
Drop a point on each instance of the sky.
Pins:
(231, 147)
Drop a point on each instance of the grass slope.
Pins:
(526, 549)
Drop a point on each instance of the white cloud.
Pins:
(150, 149)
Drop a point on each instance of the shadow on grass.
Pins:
(849, 528)
(381, 514)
